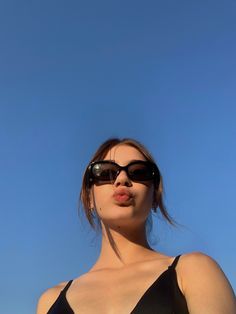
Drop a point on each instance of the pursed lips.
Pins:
(122, 195)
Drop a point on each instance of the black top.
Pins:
(162, 297)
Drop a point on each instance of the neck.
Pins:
(121, 247)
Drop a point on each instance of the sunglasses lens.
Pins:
(140, 172)
(104, 171)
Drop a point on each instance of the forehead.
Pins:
(123, 154)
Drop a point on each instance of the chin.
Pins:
(128, 219)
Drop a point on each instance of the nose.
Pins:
(122, 179)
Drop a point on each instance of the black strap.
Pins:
(173, 265)
(67, 286)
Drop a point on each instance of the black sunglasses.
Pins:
(106, 171)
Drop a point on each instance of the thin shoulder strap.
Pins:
(67, 286)
(173, 265)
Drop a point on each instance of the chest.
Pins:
(125, 293)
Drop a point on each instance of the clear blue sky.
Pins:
(72, 74)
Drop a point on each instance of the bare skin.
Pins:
(127, 265)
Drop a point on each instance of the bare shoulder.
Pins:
(48, 297)
(198, 267)
(205, 285)
(198, 260)
(199, 264)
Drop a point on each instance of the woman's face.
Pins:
(123, 202)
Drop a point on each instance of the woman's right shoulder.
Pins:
(48, 297)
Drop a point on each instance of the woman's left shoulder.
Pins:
(198, 265)
(197, 259)
(204, 283)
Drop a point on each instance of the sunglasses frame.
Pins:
(92, 179)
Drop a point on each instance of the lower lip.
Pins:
(122, 197)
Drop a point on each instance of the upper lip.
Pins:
(122, 191)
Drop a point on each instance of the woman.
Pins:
(121, 185)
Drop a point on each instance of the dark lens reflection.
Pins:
(140, 172)
(105, 171)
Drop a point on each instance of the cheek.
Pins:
(99, 197)
(145, 198)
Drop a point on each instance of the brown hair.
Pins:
(100, 155)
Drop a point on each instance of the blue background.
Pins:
(72, 74)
